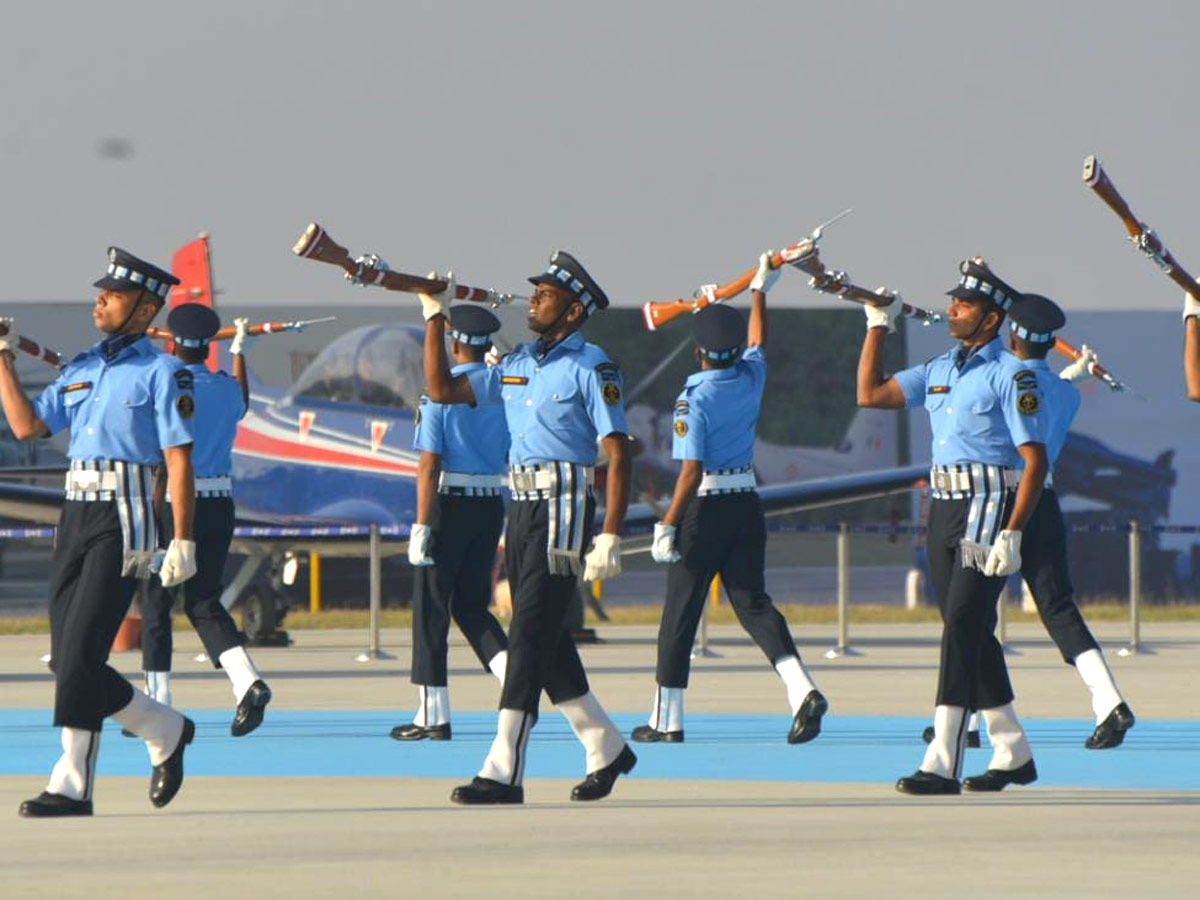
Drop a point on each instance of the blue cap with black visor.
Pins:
(193, 325)
(719, 331)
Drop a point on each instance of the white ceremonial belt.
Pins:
(91, 481)
(968, 479)
(212, 486)
(727, 483)
(542, 477)
(466, 484)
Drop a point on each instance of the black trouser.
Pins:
(88, 601)
(723, 534)
(1044, 568)
(973, 673)
(541, 651)
(213, 530)
(466, 531)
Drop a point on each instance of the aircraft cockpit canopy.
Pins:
(377, 365)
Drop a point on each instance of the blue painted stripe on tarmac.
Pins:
(1157, 755)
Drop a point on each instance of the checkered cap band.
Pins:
(1034, 337)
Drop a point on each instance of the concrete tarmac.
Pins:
(370, 836)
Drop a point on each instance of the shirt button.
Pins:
(529, 403)
(949, 412)
(91, 431)
(943, 443)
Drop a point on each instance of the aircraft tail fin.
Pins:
(873, 435)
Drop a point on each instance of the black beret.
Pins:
(471, 324)
(978, 282)
(128, 273)
(1035, 318)
(193, 324)
(567, 272)
(720, 331)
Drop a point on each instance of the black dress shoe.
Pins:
(806, 724)
(645, 734)
(999, 779)
(167, 777)
(972, 737)
(414, 732)
(599, 784)
(46, 805)
(250, 709)
(483, 791)
(1111, 732)
(927, 783)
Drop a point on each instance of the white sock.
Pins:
(158, 687)
(240, 668)
(944, 755)
(973, 721)
(1010, 748)
(667, 712)
(595, 730)
(74, 773)
(158, 725)
(799, 683)
(1098, 677)
(433, 707)
(506, 760)
(498, 663)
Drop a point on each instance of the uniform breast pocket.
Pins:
(980, 416)
(559, 408)
(935, 402)
(131, 406)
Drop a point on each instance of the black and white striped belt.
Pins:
(727, 481)
(211, 486)
(465, 484)
(546, 481)
(963, 480)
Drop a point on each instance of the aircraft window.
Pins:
(378, 365)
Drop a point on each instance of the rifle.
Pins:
(1142, 236)
(1071, 353)
(229, 331)
(32, 347)
(659, 313)
(369, 269)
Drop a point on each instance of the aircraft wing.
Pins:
(793, 496)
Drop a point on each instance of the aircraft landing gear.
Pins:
(261, 617)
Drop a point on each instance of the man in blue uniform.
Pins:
(461, 477)
(1033, 321)
(983, 410)
(129, 409)
(221, 402)
(560, 395)
(715, 522)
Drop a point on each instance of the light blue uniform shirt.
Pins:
(219, 407)
(716, 415)
(471, 441)
(557, 405)
(129, 408)
(1060, 403)
(981, 414)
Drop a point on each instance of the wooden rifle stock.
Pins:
(32, 347)
(316, 244)
(1073, 354)
(229, 331)
(1140, 233)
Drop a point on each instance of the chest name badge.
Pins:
(513, 379)
(77, 386)
(940, 389)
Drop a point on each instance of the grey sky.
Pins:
(664, 143)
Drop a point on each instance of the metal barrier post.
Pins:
(843, 596)
(1135, 592)
(373, 651)
(314, 582)
(700, 648)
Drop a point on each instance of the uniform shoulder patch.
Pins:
(1026, 379)
(681, 427)
(186, 405)
(184, 379)
(612, 393)
(608, 371)
(1027, 403)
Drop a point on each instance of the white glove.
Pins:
(418, 545)
(435, 304)
(1081, 368)
(1191, 306)
(663, 549)
(881, 316)
(179, 563)
(8, 343)
(1005, 556)
(604, 559)
(765, 277)
(242, 339)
